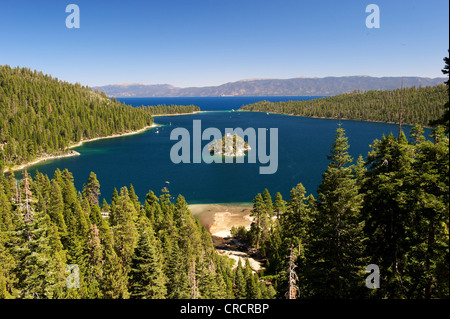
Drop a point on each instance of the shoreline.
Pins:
(41, 159)
(334, 118)
(71, 152)
(80, 143)
(178, 114)
(196, 112)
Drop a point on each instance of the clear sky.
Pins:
(211, 42)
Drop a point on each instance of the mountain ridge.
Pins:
(312, 86)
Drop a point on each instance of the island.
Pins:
(229, 145)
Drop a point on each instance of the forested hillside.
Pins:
(149, 249)
(42, 115)
(408, 105)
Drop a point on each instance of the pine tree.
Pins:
(268, 202)
(147, 278)
(360, 171)
(189, 236)
(211, 283)
(192, 279)
(252, 282)
(279, 205)
(259, 224)
(294, 231)
(429, 206)
(112, 208)
(94, 264)
(177, 273)
(387, 212)
(95, 215)
(297, 218)
(125, 231)
(56, 208)
(91, 190)
(41, 264)
(153, 210)
(335, 253)
(6, 213)
(134, 198)
(7, 264)
(240, 284)
(114, 280)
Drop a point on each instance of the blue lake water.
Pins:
(144, 159)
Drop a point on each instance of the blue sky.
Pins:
(211, 42)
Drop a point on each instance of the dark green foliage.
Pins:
(148, 280)
(91, 190)
(420, 106)
(172, 109)
(125, 230)
(390, 210)
(158, 250)
(7, 264)
(334, 257)
(444, 119)
(406, 213)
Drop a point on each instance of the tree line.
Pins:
(407, 106)
(162, 109)
(42, 115)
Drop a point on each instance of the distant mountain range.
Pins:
(265, 87)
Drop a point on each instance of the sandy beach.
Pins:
(219, 218)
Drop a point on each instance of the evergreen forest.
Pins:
(41, 115)
(406, 106)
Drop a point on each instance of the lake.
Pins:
(144, 159)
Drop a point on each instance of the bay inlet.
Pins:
(144, 159)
